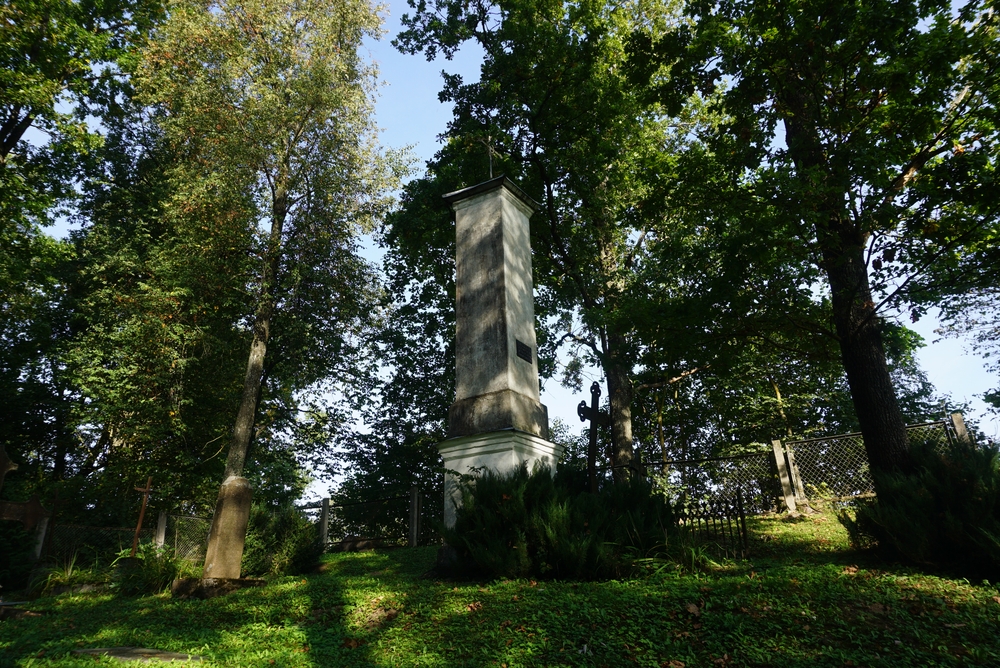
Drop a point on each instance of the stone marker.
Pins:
(497, 420)
(229, 529)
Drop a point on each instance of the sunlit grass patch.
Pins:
(803, 599)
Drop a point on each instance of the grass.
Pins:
(803, 599)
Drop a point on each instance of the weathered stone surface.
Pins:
(505, 409)
(498, 451)
(210, 587)
(494, 308)
(143, 654)
(229, 528)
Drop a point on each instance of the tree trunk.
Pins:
(842, 243)
(246, 415)
(620, 406)
(863, 356)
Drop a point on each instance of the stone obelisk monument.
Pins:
(497, 420)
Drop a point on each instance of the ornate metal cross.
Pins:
(597, 418)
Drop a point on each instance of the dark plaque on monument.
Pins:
(524, 351)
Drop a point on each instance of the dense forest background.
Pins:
(736, 203)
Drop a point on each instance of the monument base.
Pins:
(499, 451)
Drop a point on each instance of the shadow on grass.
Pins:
(372, 609)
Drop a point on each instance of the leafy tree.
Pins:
(868, 124)
(60, 60)
(268, 104)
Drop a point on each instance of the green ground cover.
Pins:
(802, 599)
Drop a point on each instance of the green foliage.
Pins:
(15, 555)
(945, 515)
(803, 600)
(280, 540)
(150, 571)
(519, 524)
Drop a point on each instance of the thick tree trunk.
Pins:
(842, 243)
(620, 405)
(863, 355)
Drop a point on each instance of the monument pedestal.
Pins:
(498, 451)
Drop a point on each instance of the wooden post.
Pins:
(324, 523)
(142, 512)
(786, 481)
(414, 516)
(958, 424)
(161, 530)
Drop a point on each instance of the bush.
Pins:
(150, 571)
(946, 515)
(280, 541)
(16, 547)
(519, 524)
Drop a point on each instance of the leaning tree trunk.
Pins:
(842, 244)
(863, 356)
(227, 536)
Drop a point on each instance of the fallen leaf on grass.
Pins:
(850, 570)
(878, 608)
(673, 663)
(693, 609)
(954, 626)
(721, 661)
(352, 643)
(997, 599)
(475, 605)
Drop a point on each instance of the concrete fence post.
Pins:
(414, 516)
(787, 491)
(958, 424)
(161, 530)
(793, 471)
(41, 529)
(324, 523)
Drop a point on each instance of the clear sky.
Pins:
(410, 113)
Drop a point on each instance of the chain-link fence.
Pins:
(88, 546)
(837, 466)
(188, 536)
(391, 520)
(828, 467)
(751, 475)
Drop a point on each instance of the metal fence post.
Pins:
(161, 530)
(324, 523)
(786, 481)
(414, 516)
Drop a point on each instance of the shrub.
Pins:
(946, 514)
(150, 571)
(15, 555)
(280, 540)
(519, 524)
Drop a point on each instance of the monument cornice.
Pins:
(486, 186)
